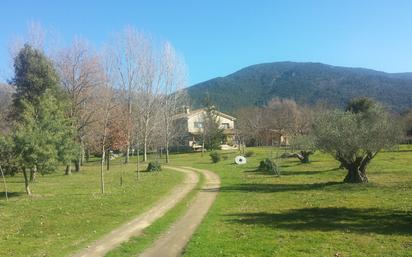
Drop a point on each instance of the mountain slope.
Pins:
(306, 83)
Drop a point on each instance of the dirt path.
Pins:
(133, 228)
(173, 242)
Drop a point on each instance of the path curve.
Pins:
(135, 227)
(173, 242)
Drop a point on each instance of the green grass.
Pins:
(307, 211)
(68, 212)
(139, 243)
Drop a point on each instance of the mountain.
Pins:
(306, 83)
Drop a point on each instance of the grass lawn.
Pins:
(67, 212)
(307, 211)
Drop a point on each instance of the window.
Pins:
(225, 126)
(198, 124)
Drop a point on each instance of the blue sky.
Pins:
(219, 37)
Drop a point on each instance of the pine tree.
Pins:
(43, 137)
(34, 74)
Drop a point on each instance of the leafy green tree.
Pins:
(355, 137)
(43, 137)
(7, 155)
(34, 74)
(407, 122)
(360, 105)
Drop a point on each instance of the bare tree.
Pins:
(106, 103)
(289, 118)
(174, 96)
(251, 122)
(151, 79)
(129, 51)
(80, 72)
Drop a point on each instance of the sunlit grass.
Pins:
(307, 211)
(66, 213)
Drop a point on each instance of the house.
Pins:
(271, 137)
(191, 124)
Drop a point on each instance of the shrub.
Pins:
(249, 153)
(154, 166)
(215, 156)
(267, 165)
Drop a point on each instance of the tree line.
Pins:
(353, 136)
(66, 105)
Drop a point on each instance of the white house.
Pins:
(192, 123)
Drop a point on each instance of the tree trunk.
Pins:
(87, 155)
(77, 164)
(26, 182)
(138, 157)
(102, 171)
(138, 165)
(167, 153)
(357, 169)
(82, 152)
(129, 114)
(167, 139)
(68, 169)
(33, 172)
(126, 159)
(304, 156)
(4, 183)
(108, 160)
(145, 150)
(355, 175)
(203, 146)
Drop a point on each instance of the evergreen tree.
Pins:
(34, 74)
(43, 137)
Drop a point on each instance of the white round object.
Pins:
(240, 159)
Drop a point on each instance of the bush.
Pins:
(154, 166)
(215, 156)
(267, 165)
(249, 153)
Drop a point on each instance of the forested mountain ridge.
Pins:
(306, 83)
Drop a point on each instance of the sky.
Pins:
(217, 38)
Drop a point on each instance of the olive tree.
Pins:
(306, 146)
(354, 138)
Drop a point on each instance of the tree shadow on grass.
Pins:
(293, 172)
(272, 188)
(9, 194)
(259, 172)
(357, 220)
(308, 172)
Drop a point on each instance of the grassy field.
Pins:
(67, 212)
(307, 211)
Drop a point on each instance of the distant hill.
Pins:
(306, 83)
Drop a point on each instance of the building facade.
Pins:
(191, 126)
